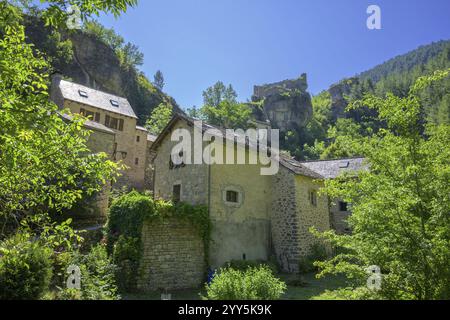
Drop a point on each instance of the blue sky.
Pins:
(246, 42)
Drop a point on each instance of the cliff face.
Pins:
(338, 92)
(93, 63)
(286, 104)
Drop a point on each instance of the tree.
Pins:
(400, 205)
(158, 80)
(227, 114)
(159, 119)
(45, 164)
(214, 95)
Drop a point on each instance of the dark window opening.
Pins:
(232, 196)
(313, 198)
(176, 193)
(136, 161)
(114, 103)
(138, 138)
(343, 206)
(114, 123)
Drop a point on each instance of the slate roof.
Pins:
(330, 169)
(290, 164)
(95, 98)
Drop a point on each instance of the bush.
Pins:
(360, 293)
(243, 265)
(126, 217)
(25, 269)
(251, 284)
(97, 276)
(126, 255)
(317, 252)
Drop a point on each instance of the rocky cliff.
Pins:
(286, 104)
(85, 59)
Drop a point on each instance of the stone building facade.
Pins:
(253, 216)
(114, 115)
(340, 210)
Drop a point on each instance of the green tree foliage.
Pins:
(400, 206)
(128, 53)
(159, 118)
(45, 163)
(217, 93)
(158, 80)
(257, 283)
(227, 114)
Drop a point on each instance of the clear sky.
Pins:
(246, 42)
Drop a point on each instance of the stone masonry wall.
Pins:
(310, 215)
(173, 256)
(284, 224)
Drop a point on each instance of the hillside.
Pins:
(87, 59)
(331, 124)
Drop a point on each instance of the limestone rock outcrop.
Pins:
(286, 104)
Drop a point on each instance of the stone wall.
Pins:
(173, 256)
(310, 215)
(284, 221)
(339, 218)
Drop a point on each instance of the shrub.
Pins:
(252, 284)
(317, 252)
(126, 255)
(25, 269)
(97, 276)
(243, 265)
(360, 293)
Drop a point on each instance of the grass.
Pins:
(310, 286)
(299, 288)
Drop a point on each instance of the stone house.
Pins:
(331, 169)
(114, 128)
(254, 217)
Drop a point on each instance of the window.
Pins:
(83, 93)
(97, 117)
(313, 198)
(343, 206)
(232, 196)
(136, 161)
(138, 138)
(114, 103)
(114, 123)
(172, 164)
(176, 197)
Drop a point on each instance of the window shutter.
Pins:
(120, 124)
(107, 118)
(97, 117)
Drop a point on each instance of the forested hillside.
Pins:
(332, 124)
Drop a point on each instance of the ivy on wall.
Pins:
(127, 216)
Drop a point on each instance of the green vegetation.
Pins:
(46, 166)
(160, 117)
(222, 109)
(25, 269)
(124, 227)
(252, 284)
(158, 80)
(326, 135)
(400, 207)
